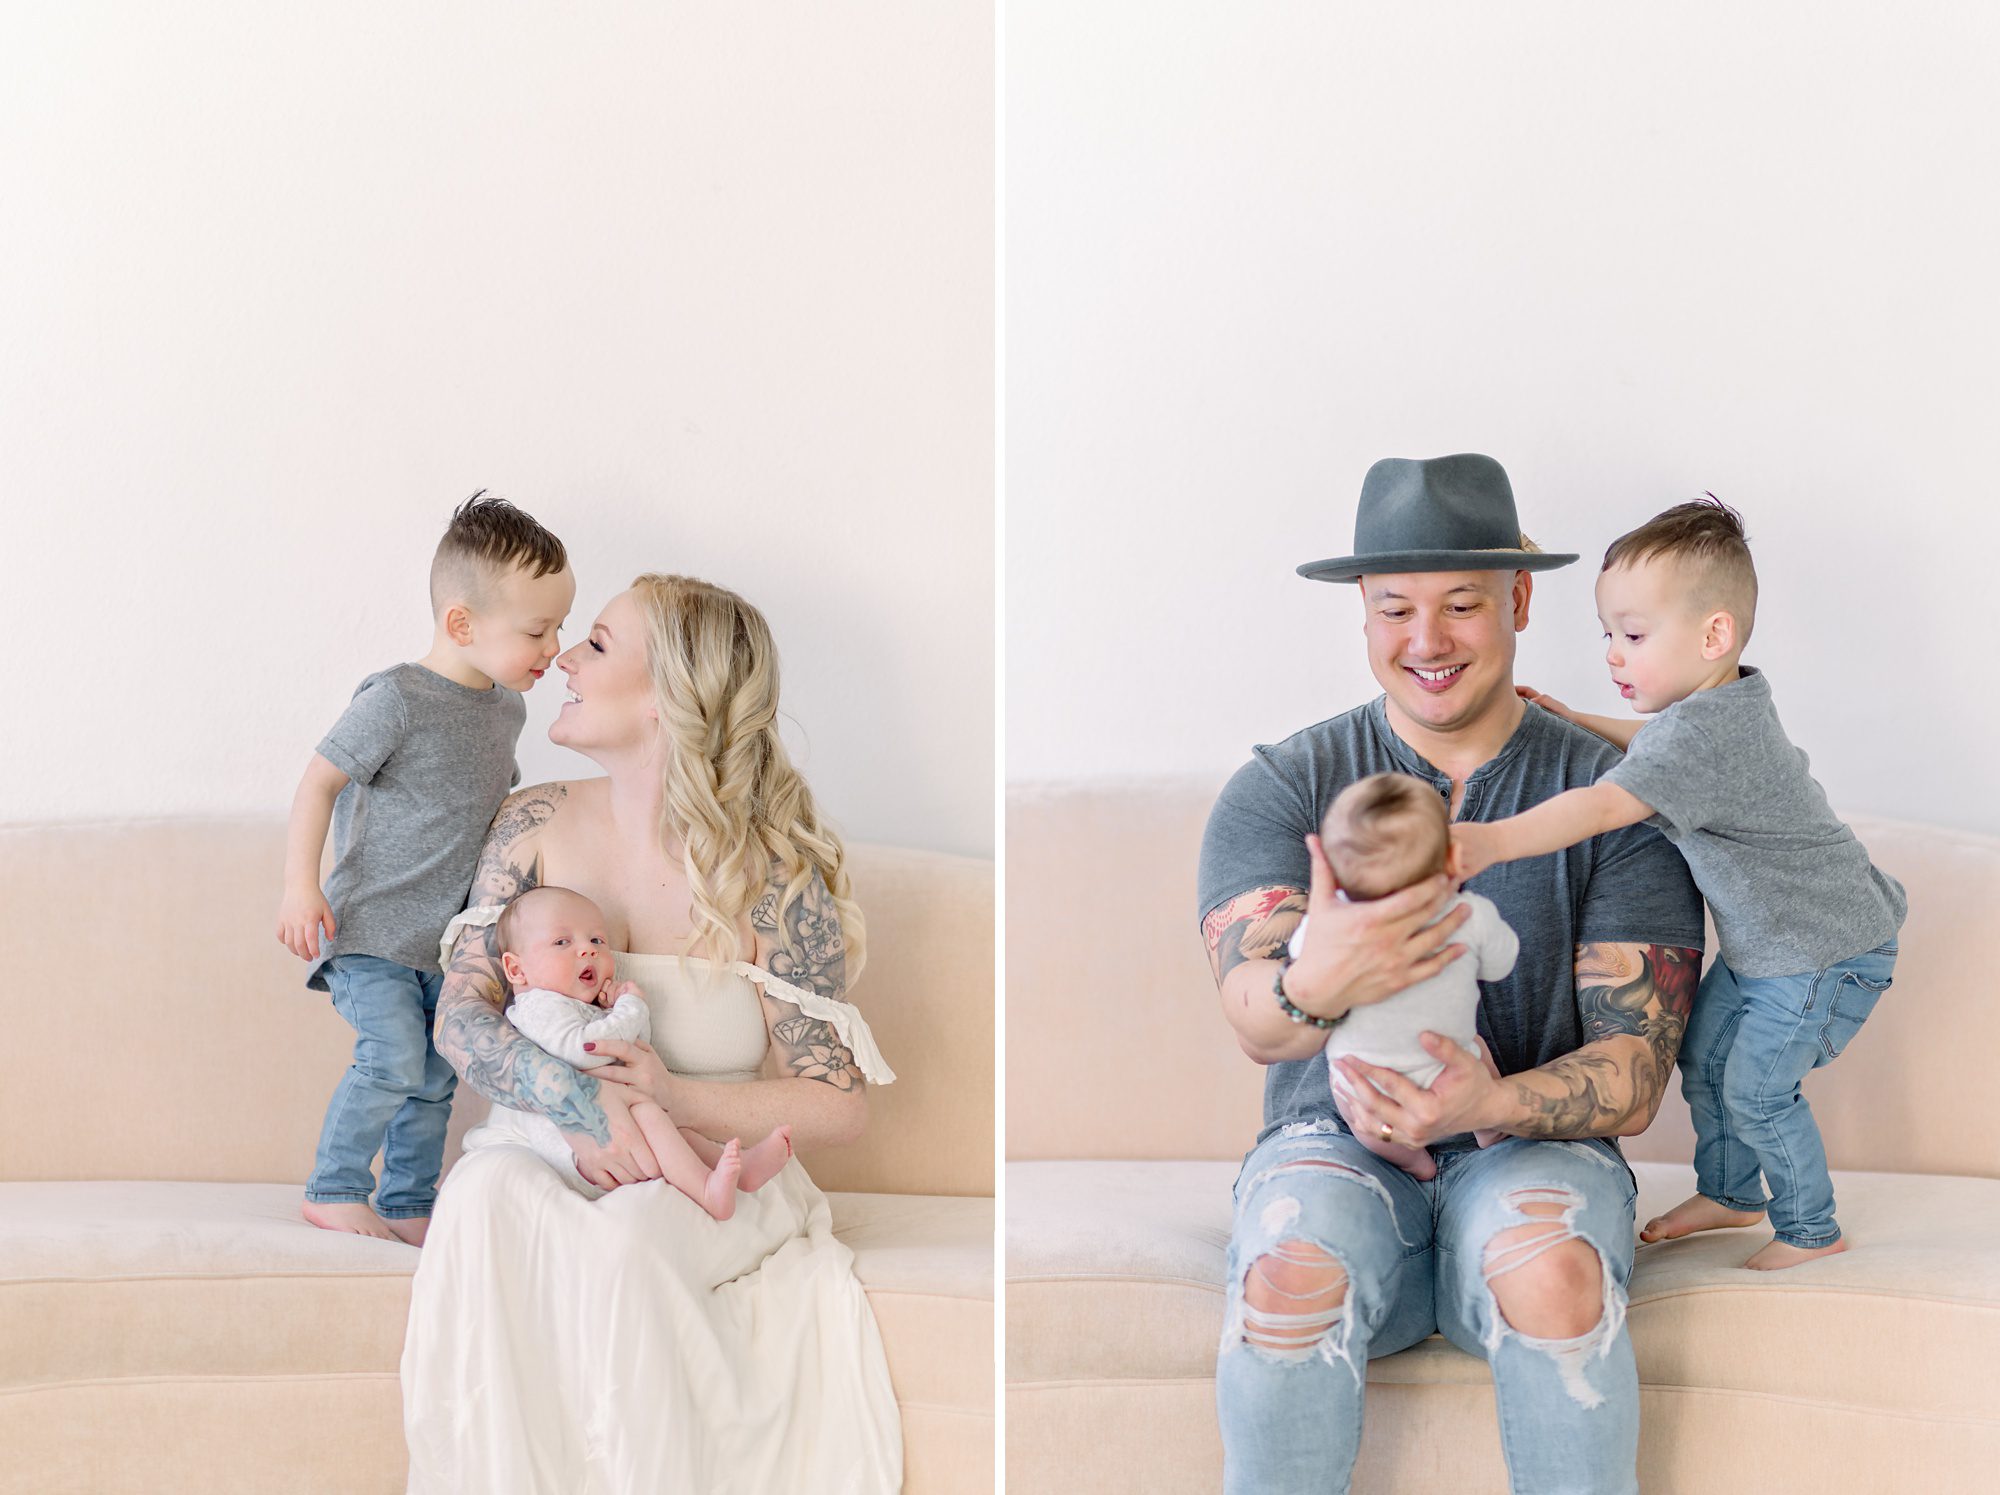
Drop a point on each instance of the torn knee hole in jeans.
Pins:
(1295, 1305)
(1548, 1221)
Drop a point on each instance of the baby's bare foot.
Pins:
(1697, 1213)
(412, 1231)
(719, 1197)
(1777, 1255)
(766, 1160)
(346, 1214)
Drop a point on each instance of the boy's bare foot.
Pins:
(1777, 1255)
(411, 1231)
(1414, 1161)
(1698, 1213)
(766, 1160)
(718, 1197)
(350, 1215)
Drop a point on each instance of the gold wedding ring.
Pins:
(1386, 1131)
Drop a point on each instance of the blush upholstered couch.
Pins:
(1129, 1107)
(168, 1326)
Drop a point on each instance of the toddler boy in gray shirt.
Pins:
(1805, 922)
(411, 777)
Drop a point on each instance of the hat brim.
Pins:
(1395, 562)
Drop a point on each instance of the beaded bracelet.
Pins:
(1290, 1008)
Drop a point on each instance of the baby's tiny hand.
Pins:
(622, 990)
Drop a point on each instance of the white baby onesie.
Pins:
(562, 1026)
(1385, 1033)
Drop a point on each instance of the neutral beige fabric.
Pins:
(194, 951)
(312, 1435)
(127, 1295)
(1090, 954)
(1866, 1372)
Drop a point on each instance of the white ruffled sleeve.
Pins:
(845, 1018)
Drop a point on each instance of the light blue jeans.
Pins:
(1416, 1259)
(396, 1096)
(1749, 1043)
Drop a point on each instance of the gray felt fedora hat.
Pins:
(1439, 514)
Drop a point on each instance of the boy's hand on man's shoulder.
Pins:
(1534, 697)
(301, 917)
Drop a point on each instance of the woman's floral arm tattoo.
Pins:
(469, 1030)
(807, 950)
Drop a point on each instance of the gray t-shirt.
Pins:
(1791, 889)
(1627, 887)
(430, 760)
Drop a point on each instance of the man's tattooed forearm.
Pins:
(1641, 992)
(1583, 1104)
(1252, 927)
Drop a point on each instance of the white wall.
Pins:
(705, 288)
(1634, 253)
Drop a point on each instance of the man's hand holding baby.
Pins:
(1465, 1098)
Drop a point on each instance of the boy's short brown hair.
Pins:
(487, 538)
(1705, 539)
(1383, 833)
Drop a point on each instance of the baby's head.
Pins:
(1383, 833)
(554, 939)
(500, 590)
(1677, 597)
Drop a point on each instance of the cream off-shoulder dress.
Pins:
(630, 1344)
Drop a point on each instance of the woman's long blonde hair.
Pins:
(730, 793)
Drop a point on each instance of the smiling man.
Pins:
(1519, 1251)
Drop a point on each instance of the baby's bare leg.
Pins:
(1414, 1161)
(713, 1188)
(761, 1163)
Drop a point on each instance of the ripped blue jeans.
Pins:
(1410, 1258)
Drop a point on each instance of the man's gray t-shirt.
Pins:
(1791, 889)
(1627, 887)
(429, 761)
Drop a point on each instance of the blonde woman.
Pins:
(560, 1344)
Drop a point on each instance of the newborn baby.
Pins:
(564, 994)
(1381, 834)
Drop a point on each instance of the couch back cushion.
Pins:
(157, 1030)
(1116, 1046)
